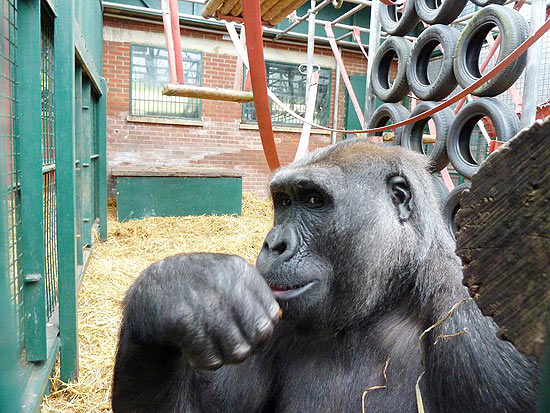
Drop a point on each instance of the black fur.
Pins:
(359, 224)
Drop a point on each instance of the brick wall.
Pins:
(220, 142)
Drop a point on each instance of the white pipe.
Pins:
(374, 41)
(310, 44)
(336, 103)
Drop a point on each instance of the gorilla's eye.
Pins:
(315, 200)
(282, 199)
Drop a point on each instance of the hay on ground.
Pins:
(115, 264)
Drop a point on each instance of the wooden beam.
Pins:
(211, 93)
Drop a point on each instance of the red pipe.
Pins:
(169, 40)
(255, 48)
(176, 36)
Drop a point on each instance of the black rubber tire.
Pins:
(483, 3)
(417, 69)
(445, 13)
(440, 191)
(398, 27)
(452, 205)
(381, 65)
(504, 120)
(513, 30)
(412, 135)
(389, 111)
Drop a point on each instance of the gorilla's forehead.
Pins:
(359, 158)
(298, 174)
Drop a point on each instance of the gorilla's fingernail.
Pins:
(213, 363)
(275, 312)
(263, 325)
(242, 351)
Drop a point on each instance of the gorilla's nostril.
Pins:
(279, 248)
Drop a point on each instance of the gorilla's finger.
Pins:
(206, 356)
(255, 323)
(259, 287)
(232, 344)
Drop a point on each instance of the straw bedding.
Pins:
(115, 264)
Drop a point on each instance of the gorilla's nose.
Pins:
(279, 246)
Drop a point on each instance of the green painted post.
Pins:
(79, 152)
(10, 384)
(65, 161)
(86, 161)
(29, 127)
(102, 170)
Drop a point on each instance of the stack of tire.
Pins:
(459, 67)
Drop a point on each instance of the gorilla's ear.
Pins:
(400, 194)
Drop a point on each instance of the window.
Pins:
(149, 75)
(286, 81)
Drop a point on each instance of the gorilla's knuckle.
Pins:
(210, 362)
(240, 352)
(264, 331)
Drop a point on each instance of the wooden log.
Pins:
(227, 6)
(211, 8)
(282, 9)
(504, 238)
(211, 93)
(266, 5)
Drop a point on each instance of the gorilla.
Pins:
(358, 264)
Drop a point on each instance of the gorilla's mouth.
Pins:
(288, 292)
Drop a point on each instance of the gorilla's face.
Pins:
(294, 258)
(325, 257)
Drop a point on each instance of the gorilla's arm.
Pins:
(475, 371)
(183, 316)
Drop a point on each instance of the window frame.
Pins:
(181, 118)
(271, 103)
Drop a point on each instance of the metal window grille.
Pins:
(9, 150)
(150, 74)
(48, 164)
(286, 81)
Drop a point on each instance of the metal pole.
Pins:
(310, 44)
(301, 19)
(529, 110)
(349, 13)
(374, 41)
(336, 102)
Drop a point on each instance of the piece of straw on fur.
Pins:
(419, 402)
(379, 387)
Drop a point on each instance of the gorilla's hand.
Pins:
(215, 308)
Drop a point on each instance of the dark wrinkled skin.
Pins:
(358, 224)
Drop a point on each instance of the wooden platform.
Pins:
(273, 11)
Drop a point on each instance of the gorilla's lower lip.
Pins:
(281, 293)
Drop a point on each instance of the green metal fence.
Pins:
(52, 185)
